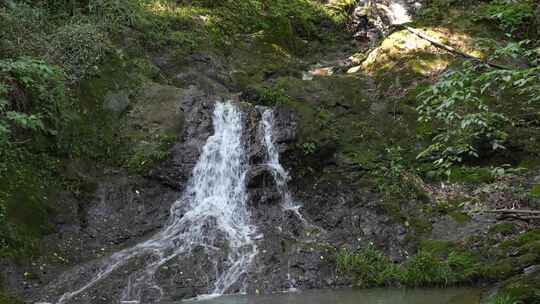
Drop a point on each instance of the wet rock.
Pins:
(260, 177)
(372, 19)
(448, 229)
(183, 293)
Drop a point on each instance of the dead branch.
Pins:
(451, 49)
(515, 211)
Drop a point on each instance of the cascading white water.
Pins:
(215, 205)
(280, 175)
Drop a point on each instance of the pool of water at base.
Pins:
(356, 296)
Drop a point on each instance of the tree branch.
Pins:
(451, 49)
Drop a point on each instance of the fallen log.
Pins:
(451, 49)
(517, 211)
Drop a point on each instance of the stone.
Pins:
(116, 102)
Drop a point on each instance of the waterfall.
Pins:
(280, 175)
(212, 206)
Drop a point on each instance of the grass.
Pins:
(441, 263)
(369, 267)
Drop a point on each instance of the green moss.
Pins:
(27, 192)
(524, 288)
(437, 247)
(503, 229)
(148, 154)
(420, 225)
(527, 259)
(535, 191)
(471, 175)
(523, 239)
(460, 217)
(392, 208)
(7, 299)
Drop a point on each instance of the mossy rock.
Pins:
(503, 229)
(438, 247)
(471, 175)
(528, 237)
(460, 217)
(524, 288)
(497, 271)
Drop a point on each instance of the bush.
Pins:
(119, 13)
(511, 16)
(369, 267)
(26, 22)
(455, 104)
(32, 100)
(78, 47)
(424, 269)
(466, 106)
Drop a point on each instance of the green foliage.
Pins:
(145, 156)
(456, 104)
(32, 100)
(341, 10)
(309, 147)
(467, 106)
(471, 175)
(79, 47)
(368, 266)
(271, 97)
(502, 299)
(535, 191)
(127, 13)
(436, 10)
(23, 30)
(425, 269)
(510, 15)
(34, 111)
(396, 176)
(503, 229)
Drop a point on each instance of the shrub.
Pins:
(510, 15)
(369, 267)
(424, 269)
(26, 22)
(341, 10)
(270, 97)
(119, 13)
(78, 47)
(32, 99)
(455, 103)
(466, 106)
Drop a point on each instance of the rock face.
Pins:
(372, 19)
(117, 210)
(120, 210)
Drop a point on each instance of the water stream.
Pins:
(280, 175)
(212, 208)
